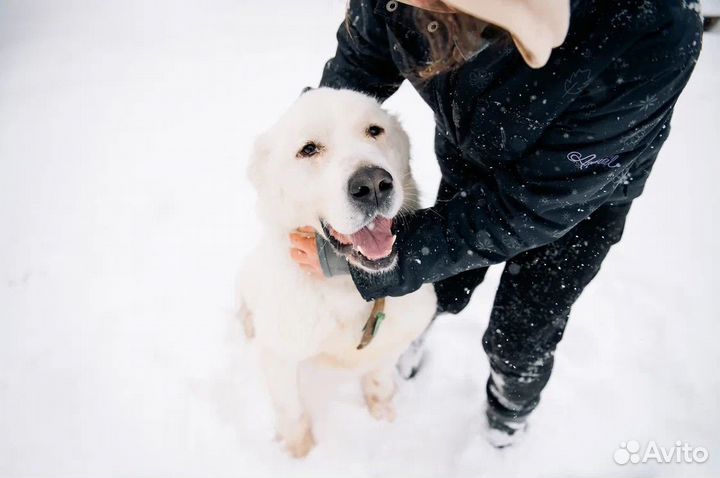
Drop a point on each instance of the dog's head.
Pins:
(336, 161)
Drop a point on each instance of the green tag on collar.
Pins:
(378, 320)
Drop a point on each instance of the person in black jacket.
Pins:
(540, 157)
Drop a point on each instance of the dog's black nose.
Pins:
(370, 188)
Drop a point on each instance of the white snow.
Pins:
(124, 212)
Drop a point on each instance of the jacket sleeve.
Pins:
(573, 169)
(362, 61)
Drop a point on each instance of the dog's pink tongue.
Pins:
(375, 240)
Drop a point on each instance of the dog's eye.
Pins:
(374, 131)
(310, 149)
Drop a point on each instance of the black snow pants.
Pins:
(531, 308)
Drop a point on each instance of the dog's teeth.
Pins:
(393, 241)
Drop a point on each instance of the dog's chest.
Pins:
(405, 318)
(298, 316)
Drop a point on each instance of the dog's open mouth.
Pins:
(370, 247)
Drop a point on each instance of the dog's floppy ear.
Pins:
(256, 170)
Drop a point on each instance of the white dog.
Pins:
(340, 163)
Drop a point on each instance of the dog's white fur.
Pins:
(295, 317)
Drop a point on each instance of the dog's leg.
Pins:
(379, 389)
(293, 424)
(246, 317)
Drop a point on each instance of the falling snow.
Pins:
(125, 128)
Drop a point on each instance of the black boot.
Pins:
(504, 429)
(507, 421)
(412, 359)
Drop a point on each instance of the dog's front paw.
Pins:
(379, 389)
(246, 318)
(380, 409)
(298, 439)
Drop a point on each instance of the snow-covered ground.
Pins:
(124, 213)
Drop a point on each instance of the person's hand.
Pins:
(304, 251)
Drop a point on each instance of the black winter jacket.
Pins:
(524, 154)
